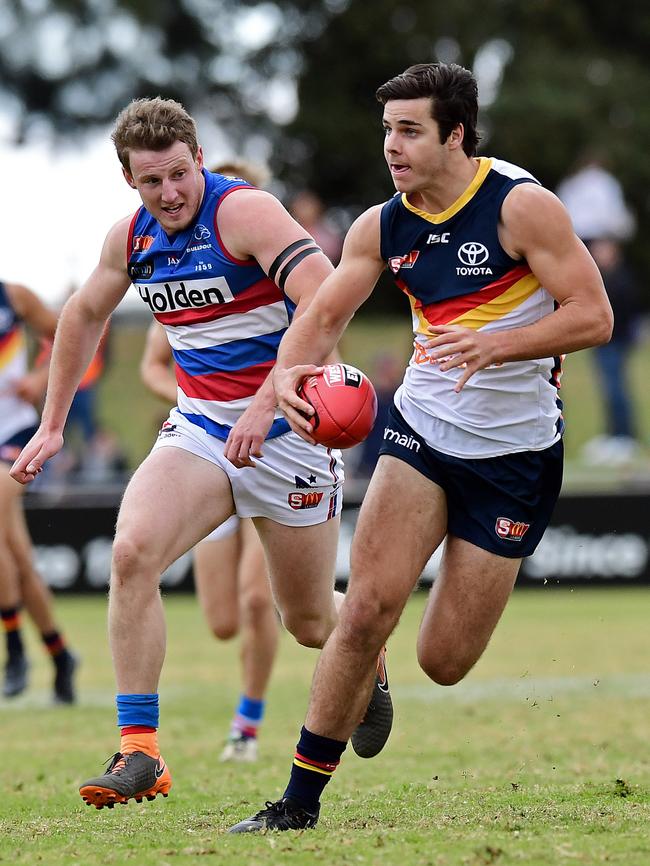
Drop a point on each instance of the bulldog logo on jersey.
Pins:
(407, 261)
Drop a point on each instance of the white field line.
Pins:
(526, 687)
(468, 691)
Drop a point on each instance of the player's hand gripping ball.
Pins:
(345, 405)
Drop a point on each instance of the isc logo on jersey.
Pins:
(177, 295)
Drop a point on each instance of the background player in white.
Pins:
(499, 284)
(193, 481)
(232, 582)
(21, 390)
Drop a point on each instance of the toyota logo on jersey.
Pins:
(472, 253)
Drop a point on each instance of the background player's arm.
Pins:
(39, 318)
(80, 327)
(42, 323)
(313, 336)
(537, 228)
(155, 369)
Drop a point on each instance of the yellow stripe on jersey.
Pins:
(11, 347)
(482, 314)
(500, 306)
(485, 164)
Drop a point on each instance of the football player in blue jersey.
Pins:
(500, 288)
(224, 268)
(232, 583)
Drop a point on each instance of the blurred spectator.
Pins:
(620, 444)
(602, 219)
(595, 201)
(386, 375)
(308, 209)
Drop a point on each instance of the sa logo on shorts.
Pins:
(513, 530)
(304, 500)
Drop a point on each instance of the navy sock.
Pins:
(315, 760)
(10, 617)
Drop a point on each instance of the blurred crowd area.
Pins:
(107, 433)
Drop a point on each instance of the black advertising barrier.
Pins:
(593, 539)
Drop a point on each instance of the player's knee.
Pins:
(443, 671)
(309, 631)
(130, 558)
(366, 621)
(256, 605)
(224, 629)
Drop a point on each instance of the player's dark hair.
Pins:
(452, 90)
(152, 124)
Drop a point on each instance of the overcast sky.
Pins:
(59, 205)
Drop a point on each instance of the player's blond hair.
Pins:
(152, 124)
(252, 172)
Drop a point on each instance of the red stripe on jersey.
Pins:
(229, 385)
(5, 339)
(129, 240)
(260, 294)
(442, 312)
(224, 249)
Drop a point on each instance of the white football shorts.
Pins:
(293, 483)
(227, 528)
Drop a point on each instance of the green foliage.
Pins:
(573, 75)
(538, 757)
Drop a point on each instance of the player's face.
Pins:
(412, 143)
(170, 183)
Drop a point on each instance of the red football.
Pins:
(345, 405)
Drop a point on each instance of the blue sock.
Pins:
(138, 710)
(248, 717)
(314, 763)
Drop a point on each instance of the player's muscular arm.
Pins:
(313, 336)
(81, 324)
(536, 227)
(254, 224)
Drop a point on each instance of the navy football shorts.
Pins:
(11, 448)
(500, 504)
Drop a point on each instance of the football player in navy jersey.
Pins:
(21, 391)
(500, 288)
(224, 268)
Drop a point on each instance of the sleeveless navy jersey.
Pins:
(453, 270)
(223, 316)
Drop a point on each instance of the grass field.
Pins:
(539, 757)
